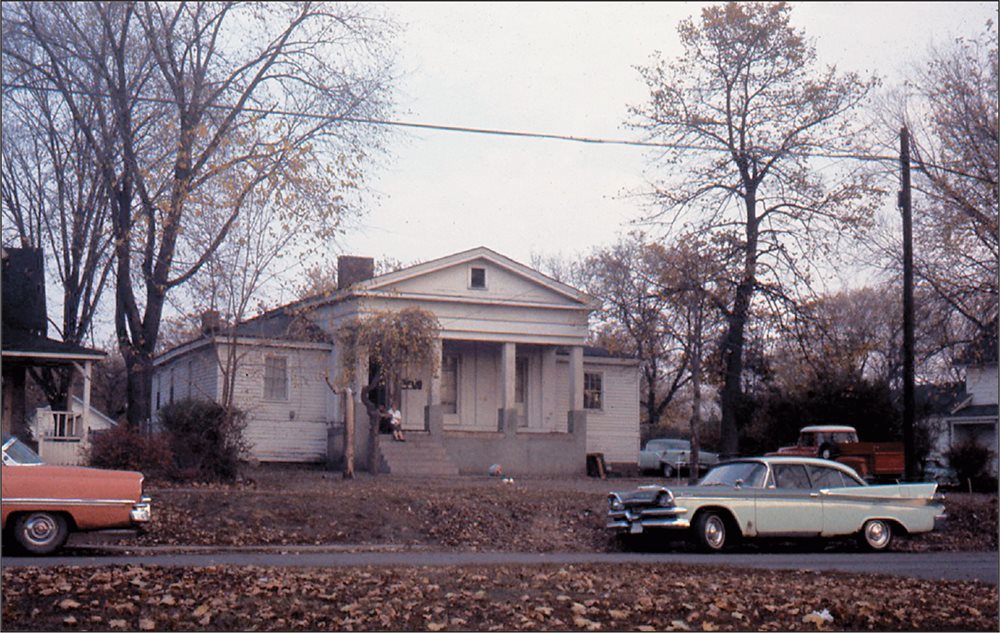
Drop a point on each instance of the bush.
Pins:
(971, 462)
(207, 440)
(124, 447)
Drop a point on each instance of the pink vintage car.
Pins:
(42, 504)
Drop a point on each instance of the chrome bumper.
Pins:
(142, 512)
(940, 521)
(636, 521)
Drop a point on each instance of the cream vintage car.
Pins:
(42, 503)
(779, 497)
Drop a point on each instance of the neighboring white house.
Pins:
(63, 436)
(516, 385)
(974, 415)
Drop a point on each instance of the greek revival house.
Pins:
(516, 384)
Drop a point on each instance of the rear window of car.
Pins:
(790, 476)
(823, 477)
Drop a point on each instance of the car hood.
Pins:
(71, 482)
(645, 495)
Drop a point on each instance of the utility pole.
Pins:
(905, 205)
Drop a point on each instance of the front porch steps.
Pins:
(420, 455)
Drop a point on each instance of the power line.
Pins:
(499, 132)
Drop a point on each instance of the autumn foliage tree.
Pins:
(189, 109)
(741, 113)
(634, 319)
(394, 342)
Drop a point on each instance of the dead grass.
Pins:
(304, 506)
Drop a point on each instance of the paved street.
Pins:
(981, 566)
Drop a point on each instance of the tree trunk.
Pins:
(694, 457)
(731, 396)
(348, 433)
(139, 388)
(373, 423)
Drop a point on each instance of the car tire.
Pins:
(711, 532)
(40, 533)
(876, 535)
(667, 469)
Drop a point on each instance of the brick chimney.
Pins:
(351, 270)
(210, 322)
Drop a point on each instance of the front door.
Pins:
(787, 505)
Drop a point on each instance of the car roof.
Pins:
(829, 428)
(789, 459)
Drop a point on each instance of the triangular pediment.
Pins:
(478, 275)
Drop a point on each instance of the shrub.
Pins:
(207, 440)
(971, 462)
(124, 447)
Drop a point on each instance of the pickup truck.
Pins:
(871, 460)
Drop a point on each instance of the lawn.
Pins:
(301, 506)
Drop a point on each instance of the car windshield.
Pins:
(747, 474)
(17, 453)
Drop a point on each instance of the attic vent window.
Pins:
(477, 278)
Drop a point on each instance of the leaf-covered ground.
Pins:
(510, 598)
(299, 506)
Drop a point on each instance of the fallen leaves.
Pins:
(502, 597)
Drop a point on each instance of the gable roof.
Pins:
(471, 255)
(288, 322)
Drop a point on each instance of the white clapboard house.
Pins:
(517, 384)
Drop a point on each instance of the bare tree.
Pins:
(199, 107)
(741, 112)
(54, 199)
(953, 116)
(691, 278)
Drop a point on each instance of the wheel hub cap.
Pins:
(877, 533)
(715, 532)
(40, 530)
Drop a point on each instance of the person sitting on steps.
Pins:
(396, 423)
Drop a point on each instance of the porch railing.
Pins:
(64, 425)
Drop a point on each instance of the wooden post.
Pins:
(905, 204)
(348, 433)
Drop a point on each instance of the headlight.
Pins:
(665, 499)
(615, 502)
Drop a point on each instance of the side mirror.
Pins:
(738, 484)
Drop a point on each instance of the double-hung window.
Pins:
(593, 391)
(275, 378)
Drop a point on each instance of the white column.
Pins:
(549, 401)
(85, 419)
(434, 377)
(508, 354)
(576, 378)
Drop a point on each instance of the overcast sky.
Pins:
(566, 68)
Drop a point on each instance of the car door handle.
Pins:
(813, 494)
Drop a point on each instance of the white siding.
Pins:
(500, 284)
(193, 375)
(614, 430)
(981, 383)
(288, 430)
